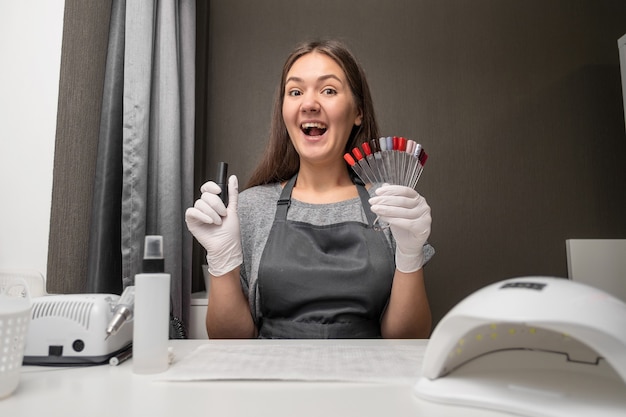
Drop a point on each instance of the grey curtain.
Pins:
(145, 167)
(104, 268)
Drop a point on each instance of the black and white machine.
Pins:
(71, 329)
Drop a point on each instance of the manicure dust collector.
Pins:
(532, 346)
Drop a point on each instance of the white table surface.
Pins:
(116, 391)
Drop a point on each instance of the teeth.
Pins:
(310, 125)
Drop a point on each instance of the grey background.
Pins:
(518, 104)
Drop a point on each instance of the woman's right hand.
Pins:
(217, 227)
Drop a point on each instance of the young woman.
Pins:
(295, 255)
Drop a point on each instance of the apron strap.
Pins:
(285, 200)
(365, 196)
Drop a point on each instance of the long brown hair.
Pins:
(280, 160)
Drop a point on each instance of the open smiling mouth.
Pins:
(313, 129)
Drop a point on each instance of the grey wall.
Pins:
(518, 104)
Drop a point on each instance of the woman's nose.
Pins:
(310, 103)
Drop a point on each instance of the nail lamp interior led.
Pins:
(533, 346)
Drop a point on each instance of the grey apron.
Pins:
(330, 281)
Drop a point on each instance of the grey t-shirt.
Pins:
(257, 208)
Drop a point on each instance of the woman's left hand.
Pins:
(408, 216)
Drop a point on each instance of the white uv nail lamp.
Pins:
(532, 346)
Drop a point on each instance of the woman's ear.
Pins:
(359, 119)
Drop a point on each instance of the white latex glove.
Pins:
(408, 216)
(217, 227)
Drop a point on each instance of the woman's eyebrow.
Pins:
(321, 78)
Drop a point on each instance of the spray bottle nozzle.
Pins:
(153, 254)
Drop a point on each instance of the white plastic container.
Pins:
(15, 307)
(152, 308)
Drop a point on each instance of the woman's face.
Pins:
(319, 110)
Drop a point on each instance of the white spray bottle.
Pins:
(152, 308)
